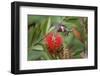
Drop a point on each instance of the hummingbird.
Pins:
(62, 28)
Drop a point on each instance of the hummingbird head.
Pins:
(61, 28)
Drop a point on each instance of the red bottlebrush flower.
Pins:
(53, 42)
(58, 40)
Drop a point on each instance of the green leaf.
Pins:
(30, 36)
(35, 19)
(45, 56)
(51, 28)
(56, 19)
(74, 21)
(78, 44)
(77, 56)
(69, 18)
(33, 35)
(45, 25)
(37, 54)
(46, 51)
(69, 39)
(48, 25)
(34, 55)
(77, 52)
(37, 47)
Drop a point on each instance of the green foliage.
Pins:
(34, 55)
(56, 19)
(35, 19)
(40, 26)
(35, 36)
